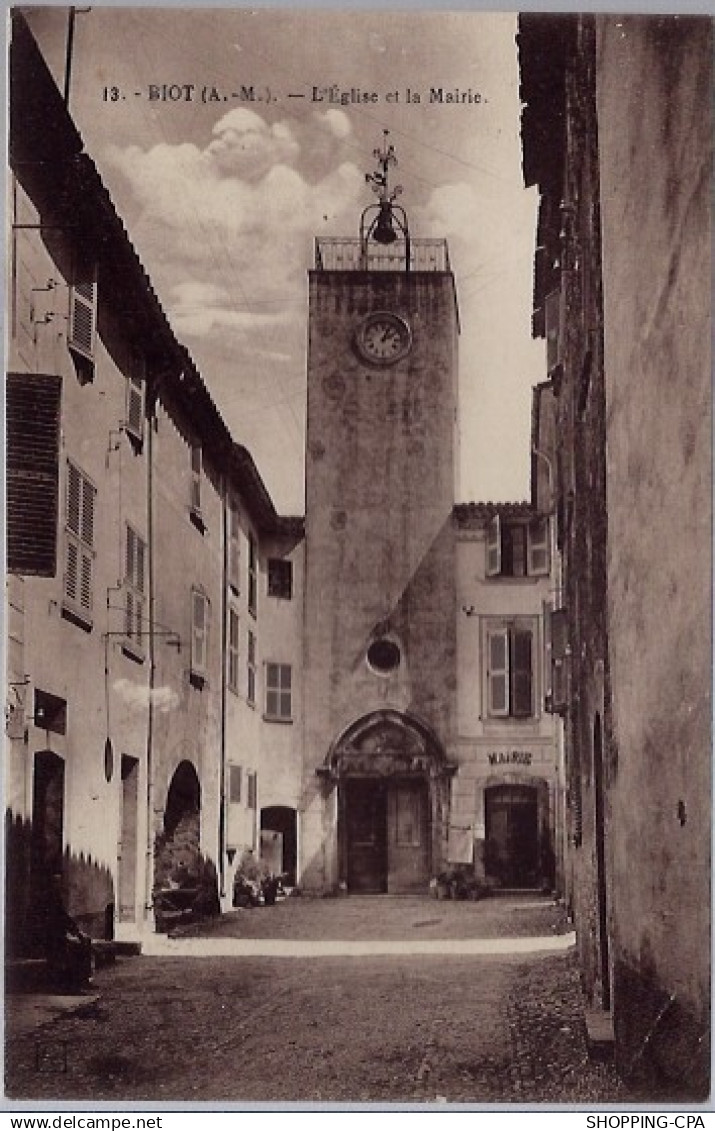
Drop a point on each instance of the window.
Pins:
(251, 668)
(556, 659)
(251, 790)
(234, 546)
(235, 774)
(134, 590)
(509, 672)
(199, 634)
(82, 327)
(233, 650)
(252, 575)
(278, 692)
(517, 549)
(195, 496)
(136, 381)
(79, 543)
(280, 578)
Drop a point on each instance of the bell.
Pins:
(384, 231)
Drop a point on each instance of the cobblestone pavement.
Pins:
(498, 1029)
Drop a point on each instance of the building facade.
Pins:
(617, 135)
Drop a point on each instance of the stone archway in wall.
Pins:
(392, 779)
(177, 849)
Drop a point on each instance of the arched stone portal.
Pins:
(392, 778)
(178, 844)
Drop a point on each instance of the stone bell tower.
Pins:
(380, 657)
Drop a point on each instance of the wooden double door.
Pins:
(385, 835)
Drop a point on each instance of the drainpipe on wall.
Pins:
(222, 769)
(149, 861)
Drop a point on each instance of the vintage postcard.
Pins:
(358, 466)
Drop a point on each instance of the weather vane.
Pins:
(386, 221)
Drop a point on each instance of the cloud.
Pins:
(234, 221)
(163, 698)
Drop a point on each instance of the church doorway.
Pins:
(512, 840)
(387, 829)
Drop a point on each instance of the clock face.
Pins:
(383, 338)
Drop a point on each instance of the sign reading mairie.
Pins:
(509, 757)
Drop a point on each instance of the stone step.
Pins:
(600, 1037)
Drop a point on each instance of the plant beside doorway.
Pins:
(254, 884)
(457, 883)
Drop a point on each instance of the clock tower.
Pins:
(380, 586)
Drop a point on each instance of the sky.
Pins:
(223, 196)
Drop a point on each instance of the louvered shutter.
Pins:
(498, 673)
(553, 329)
(199, 628)
(521, 673)
(196, 463)
(234, 546)
(79, 539)
(234, 784)
(135, 405)
(494, 547)
(83, 318)
(538, 542)
(33, 404)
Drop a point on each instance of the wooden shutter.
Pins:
(79, 538)
(196, 463)
(498, 673)
(234, 784)
(538, 543)
(552, 313)
(234, 546)
(493, 568)
(559, 660)
(199, 632)
(521, 673)
(83, 319)
(134, 423)
(134, 586)
(251, 790)
(33, 403)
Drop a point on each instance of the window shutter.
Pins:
(521, 673)
(74, 499)
(234, 784)
(559, 660)
(234, 546)
(87, 529)
(83, 319)
(85, 587)
(72, 571)
(251, 783)
(135, 402)
(498, 673)
(33, 403)
(199, 633)
(538, 537)
(196, 463)
(552, 313)
(494, 547)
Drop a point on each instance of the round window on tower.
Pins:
(383, 656)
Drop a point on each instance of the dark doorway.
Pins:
(386, 835)
(601, 863)
(283, 820)
(47, 837)
(366, 821)
(127, 854)
(512, 835)
(178, 850)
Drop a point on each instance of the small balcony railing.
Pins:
(333, 253)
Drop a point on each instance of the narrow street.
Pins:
(394, 1010)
